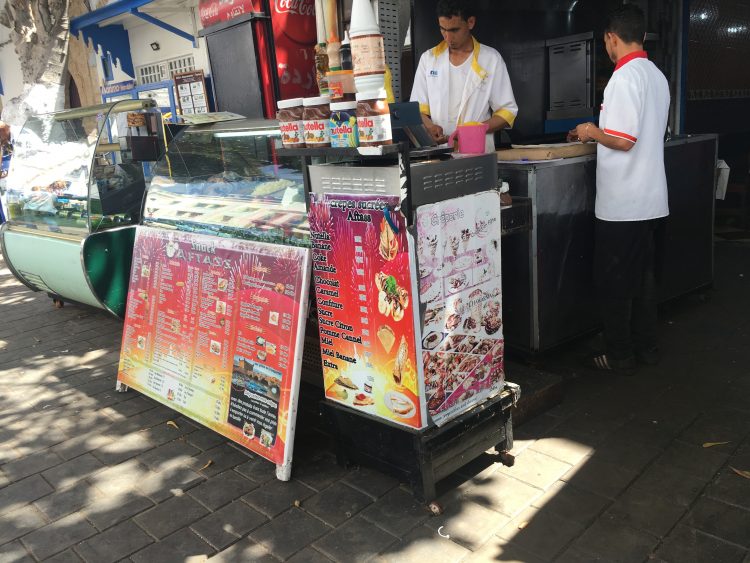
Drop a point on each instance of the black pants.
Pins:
(625, 281)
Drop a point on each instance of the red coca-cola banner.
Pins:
(294, 36)
(217, 11)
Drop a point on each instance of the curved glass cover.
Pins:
(226, 179)
(71, 174)
(47, 186)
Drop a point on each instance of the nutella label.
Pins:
(368, 56)
(317, 132)
(374, 128)
(344, 130)
(291, 133)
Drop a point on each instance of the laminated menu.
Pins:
(214, 330)
(460, 292)
(364, 285)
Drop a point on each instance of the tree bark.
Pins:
(40, 34)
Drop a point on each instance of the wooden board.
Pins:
(546, 152)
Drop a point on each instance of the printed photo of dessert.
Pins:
(362, 400)
(222, 284)
(387, 337)
(388, 246)
(215, 347)
(399, 404)
(392, 298)
(248, 430)
(430, 341)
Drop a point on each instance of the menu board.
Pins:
(366, 307)
(191, 92)
(214, 329)
(460, 290)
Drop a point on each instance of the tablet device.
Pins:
(407, 125)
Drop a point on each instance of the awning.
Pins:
(106, 26)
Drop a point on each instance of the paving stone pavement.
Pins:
(617, 472)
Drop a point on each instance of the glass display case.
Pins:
(73, 196)
(227, 179)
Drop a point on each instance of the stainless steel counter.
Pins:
(547, 273)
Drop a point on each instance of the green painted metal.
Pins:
(107, 256)
(50, 264)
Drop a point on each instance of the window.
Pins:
(163, 70)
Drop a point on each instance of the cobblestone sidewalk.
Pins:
(619, 471)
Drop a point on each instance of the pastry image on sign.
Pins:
(401, 360)
(346, 382)
(248, 430)
(362, 400)
(387, 337)
(392, 298)
(399, 404)
(388, 242)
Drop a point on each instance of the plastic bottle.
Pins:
(334, 52)
(321, 54)
(345, 53)
(368, 53)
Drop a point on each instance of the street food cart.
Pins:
(397, 339)
(74, 195)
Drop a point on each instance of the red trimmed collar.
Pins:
(630, 56)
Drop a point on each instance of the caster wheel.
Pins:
(507, 459)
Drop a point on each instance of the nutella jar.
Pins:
(344, 132)
(373, 119)
(316, 116)
(290, 123)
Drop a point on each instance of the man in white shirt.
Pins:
(631, 194)
(461, 80)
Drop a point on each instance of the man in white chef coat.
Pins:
(461, 80)
(631, 195)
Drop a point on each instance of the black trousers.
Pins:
(625, 282)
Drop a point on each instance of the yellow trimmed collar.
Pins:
(442, 47)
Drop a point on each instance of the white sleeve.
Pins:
(419, 92)
(623, 107)
(502, 101)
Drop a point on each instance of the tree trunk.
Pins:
(39, 31)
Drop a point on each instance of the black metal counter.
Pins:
(547, 277)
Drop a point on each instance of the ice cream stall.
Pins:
(73, 199)
(257, 266)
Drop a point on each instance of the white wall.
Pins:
(171, 45)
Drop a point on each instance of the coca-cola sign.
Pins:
(217, 11)
(297, 7)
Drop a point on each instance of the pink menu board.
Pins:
(460, 289)
(214, 329)
(366, 306)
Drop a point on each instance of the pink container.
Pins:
(471, 138)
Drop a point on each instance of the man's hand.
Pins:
(437, 133)
(584, 132)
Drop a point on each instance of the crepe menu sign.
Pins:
(214, 330)
(460, 291)
(366, 308)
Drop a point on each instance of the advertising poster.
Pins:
(191, 92)
(294, 38)
(460, 291)
(214, 329)
(366, 306)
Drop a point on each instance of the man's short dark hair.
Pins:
(461, 8)
(628, 23)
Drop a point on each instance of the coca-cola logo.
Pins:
(298, 7)
(209, 11)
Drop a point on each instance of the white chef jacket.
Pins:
(632, 185)
(487, 91)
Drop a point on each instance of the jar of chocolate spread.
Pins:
(316, 116)
(290, 123)
(344, 132)
(373, 119)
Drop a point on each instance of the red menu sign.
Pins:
(214, 329)
(366, 306)
(294, 35)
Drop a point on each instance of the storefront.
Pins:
(383, 274)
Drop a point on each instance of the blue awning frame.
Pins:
(114, 38)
